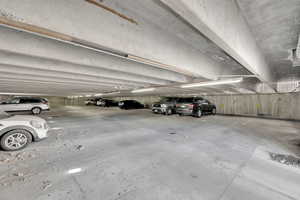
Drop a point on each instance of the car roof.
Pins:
(28, 98)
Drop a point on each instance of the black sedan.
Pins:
(130, 104)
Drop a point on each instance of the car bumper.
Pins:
(41, 134)
(184, 111)
(158, 110)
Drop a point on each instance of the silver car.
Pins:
(16, 132)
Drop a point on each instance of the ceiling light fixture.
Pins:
(112, 93)
(212, 83)
(143, 90)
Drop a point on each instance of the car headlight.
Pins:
(36, 124)
(163, 105)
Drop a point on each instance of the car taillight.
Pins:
(191, 106)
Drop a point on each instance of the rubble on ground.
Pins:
(80, 147)
(286, 159)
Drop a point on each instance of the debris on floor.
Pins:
(172, 133)
(18, 174)
(11, 157)
(79, 147)
(286, 159)
(46, 185)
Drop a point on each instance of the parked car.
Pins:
(16, 132)
(130, 104)
(92, 101)
(204, 107)
(33, 104)
(195, 106)
(107, 103)
(166, 106)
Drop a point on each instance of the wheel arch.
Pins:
(31, 131)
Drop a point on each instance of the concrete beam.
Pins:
(32, 72)
(144, 40)
(222, 22)
(9, 61)
(18, 42)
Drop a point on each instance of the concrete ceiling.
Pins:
(276, 26)
(174, 48)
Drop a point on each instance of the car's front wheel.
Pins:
(169, 111)
(214, 111)
(15, 140)
(36, 111)
(199, 113)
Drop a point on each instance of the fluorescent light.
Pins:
(111, 93)
(211, 83)
(143, 90)
(98, 95)
(74, 171)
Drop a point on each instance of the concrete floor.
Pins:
(110, 154)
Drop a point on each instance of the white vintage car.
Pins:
(16, 132)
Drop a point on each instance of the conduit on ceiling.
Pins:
(112, 11)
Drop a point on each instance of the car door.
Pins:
(28, 103)
(210, 106)
(206, 105)
(12, 105)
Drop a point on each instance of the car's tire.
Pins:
(15, 140)
(180, 114)
(169, 111)
(214, 111)
(199, 113)
(36, 110)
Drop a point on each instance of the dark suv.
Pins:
(107, 103)
(166, 106)
(130, 104)
(195, 106)
(92, 101)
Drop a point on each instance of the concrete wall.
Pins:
(279, 106)
(56, 102)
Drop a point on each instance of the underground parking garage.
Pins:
(154, 100)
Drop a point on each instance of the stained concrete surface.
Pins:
(108, 154)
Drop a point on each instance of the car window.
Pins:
(14, 101)
(30, 100)
(34, 100)
(185, 100)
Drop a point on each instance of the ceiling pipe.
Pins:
(112, 11)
